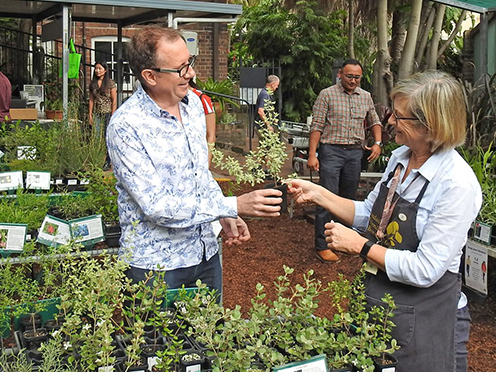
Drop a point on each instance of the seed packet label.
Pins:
(314, 364)
(26, 152)
(38, 180)
(482, 232)
(12, 237)
(106, 369)
(152, 361)
(194, 368)
(11, 180)
(54, 231)
(87, 230)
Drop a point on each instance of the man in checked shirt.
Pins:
(338, 130)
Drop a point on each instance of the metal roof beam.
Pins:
(144, 17)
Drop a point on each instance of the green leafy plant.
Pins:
(224, 87)
(270, 154)
(62, 148)
(286, 329)
(15, 363)
(483, 163)
(101, 185)
(24, 208)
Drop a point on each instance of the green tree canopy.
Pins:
(305, 41)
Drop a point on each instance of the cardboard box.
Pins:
(23, 114)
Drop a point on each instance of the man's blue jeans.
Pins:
(339, 170)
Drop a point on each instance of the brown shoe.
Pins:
(327, 256)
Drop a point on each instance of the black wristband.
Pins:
(366, 248)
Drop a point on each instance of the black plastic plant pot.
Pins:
(344, 369)
(151, 333)
(112, 235)
(34, 357)
(53, 324)
(284, 189)
(386, 364)
(33, 339)
(191, 361)
(257, 366)
(141, 366)
(26, 321)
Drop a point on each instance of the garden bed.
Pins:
(289, 241)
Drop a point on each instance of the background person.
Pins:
(337, 130)
(167, 195)
(103, 100)
(209, 111)
(5, 97)
(415, 221)
(266, 94)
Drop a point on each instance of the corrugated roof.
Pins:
(125, 11)
(479, 6)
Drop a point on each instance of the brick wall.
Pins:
(204, 63)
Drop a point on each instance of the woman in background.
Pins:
(103, 100)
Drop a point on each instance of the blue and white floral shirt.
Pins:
(163, 182)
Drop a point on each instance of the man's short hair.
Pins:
(142, 50)
(351, 61)
(271, 79)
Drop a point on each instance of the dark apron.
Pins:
(425, 317)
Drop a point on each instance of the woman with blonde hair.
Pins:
(414, 223)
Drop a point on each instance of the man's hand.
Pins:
(260, 203)
(236, 230)
(375, 152)
(313, 163)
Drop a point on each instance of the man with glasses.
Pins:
(341, 114)
(168, 198)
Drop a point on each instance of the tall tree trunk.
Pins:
(453, 34)
(436, 36)
(398, 33)
(351, 30)
(424, 37)
(382, 67)
(407, 57)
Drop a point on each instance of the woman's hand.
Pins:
(340, 238)
(302, 191)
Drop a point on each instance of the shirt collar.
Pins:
(152, 105)
(429, 168)
(341, 88)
